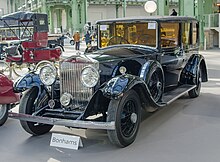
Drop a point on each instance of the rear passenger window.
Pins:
(169, 34)
(195, 38)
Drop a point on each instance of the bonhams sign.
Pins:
(65, 141)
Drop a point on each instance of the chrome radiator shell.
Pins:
(70, 82)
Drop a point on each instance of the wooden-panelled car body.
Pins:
(145, 62)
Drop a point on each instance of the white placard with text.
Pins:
(151, 25)
(66, 141)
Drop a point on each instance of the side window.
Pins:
(195, 33)
(169, 35)
(186, 35)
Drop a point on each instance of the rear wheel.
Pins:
(196, 91)
(3, 113)
(27, 106)
(125, 112)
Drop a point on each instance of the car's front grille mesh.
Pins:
(70, 80)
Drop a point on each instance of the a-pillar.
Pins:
(163, 7)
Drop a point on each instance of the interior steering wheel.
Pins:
(117, 40)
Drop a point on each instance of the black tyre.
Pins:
(196, 91)
(3, 113)
(27, 107)
(126, 112)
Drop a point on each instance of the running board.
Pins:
(171, 96)
(64, 122)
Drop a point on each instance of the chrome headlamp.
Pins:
(48, 74)
(66, 99)
(89, 76)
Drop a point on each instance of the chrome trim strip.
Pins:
(64, 122)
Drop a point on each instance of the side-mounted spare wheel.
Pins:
(126, 112)
(3, 113)
(27, 106)
(155, 83)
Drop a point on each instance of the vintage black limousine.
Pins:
(140, 63)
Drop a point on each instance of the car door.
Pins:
(173, 57)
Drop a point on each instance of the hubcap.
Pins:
(133, 118)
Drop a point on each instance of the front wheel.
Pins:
(3, 113)
(28, 106)
(126, 113)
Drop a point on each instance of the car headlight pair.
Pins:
(48, 74)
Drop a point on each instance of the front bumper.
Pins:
(64, 122)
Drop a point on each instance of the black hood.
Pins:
(121, 52)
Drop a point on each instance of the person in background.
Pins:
(61, 40)
(76, 38)
(174, 13)
(88, 38)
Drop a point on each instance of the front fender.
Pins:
(7, 94)
(118, 85)
(26, 82)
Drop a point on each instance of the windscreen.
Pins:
(135, 33)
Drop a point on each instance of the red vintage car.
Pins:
(7, 97)
(28, 39)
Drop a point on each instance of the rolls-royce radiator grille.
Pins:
(70, 79)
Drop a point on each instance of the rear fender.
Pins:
(189, 72)
(145, 70)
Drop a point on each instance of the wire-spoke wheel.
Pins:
(125, 112)
(21, 69)
(155, 84)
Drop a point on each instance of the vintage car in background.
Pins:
(24, 39)
(8, 99)
(140, 63)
